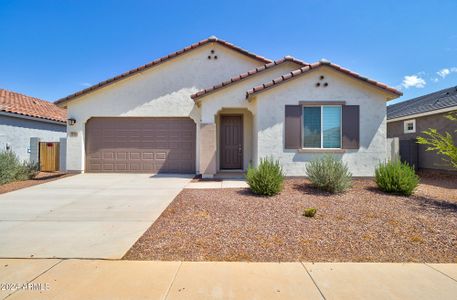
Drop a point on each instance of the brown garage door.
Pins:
(140, 145)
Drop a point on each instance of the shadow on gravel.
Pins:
(425, 203)
(308, 189)
(249, 193)
(434, 204)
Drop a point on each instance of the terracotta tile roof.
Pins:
(20, 104)
(310, 67)
(158, 61)
(248, 74)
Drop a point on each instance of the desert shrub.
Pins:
(396, 178)
(12, 169)
(309, 212)
(267, 179)
(329, 174)
(29, 170)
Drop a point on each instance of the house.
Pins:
(406, 120)
(25, 120)
(213, 107)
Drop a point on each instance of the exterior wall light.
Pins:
(71, 122)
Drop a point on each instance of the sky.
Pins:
(50, 49)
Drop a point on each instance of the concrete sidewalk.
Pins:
(105, 279)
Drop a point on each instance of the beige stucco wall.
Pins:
(232, 99)
(234, 96)
(161, 91)
(208, 144)
(269, 121)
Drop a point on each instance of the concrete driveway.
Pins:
(83, 216)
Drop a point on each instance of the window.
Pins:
(322, 126)
(409, 126)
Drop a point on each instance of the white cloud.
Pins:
(435, 79)
(443, 72)
(413, 81)
(87, 84)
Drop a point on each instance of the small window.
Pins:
(409, 126)
(322, 126)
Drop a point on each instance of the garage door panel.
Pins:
(148, 156)
(127, 144)
(121, 155)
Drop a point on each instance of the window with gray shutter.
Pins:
(292, 126)
(351, 127)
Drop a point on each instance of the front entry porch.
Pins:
(226, 146)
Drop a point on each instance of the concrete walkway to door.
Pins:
(83, 216)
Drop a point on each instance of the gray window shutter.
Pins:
(292, 127)
(351, 127)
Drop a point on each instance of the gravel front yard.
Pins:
(42, 177)
(361, 225)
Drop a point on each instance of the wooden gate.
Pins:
(49, 156)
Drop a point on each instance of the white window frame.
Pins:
(405, 126)
(322, 123)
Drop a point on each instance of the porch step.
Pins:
(229, 175)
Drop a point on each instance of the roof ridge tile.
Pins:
(309, 67)
(211, 39)
(257, 70)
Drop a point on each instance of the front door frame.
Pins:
(221, 116)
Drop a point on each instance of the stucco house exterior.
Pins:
(214, 107)
(407, 120)
(25, 120)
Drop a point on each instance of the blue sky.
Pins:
(49, 49)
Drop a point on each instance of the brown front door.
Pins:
(231, 142)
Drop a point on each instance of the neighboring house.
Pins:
(213, 106)
(23, 118)
(406, 120)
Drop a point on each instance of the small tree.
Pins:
(442, 144)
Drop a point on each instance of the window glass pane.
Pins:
(332, 126)
(312, 127)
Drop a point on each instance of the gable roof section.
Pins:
(446, 98)
(163, 59)
(248, 74)
(306, 69)
(20, 104)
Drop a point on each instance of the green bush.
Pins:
(11, 169)
(396, 178)
(267, 179)
(309, 212)
(329, 174)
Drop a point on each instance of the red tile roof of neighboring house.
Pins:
(240, 77)
(158, 61)
(307, 68)
(20, 104)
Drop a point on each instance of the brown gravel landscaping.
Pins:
(42, 177)
(360, 225)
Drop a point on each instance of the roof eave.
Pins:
(60, 102)
(30, 117)
(297, 73)
(205, 92)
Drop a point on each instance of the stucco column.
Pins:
(35, 150)
(208, 149)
